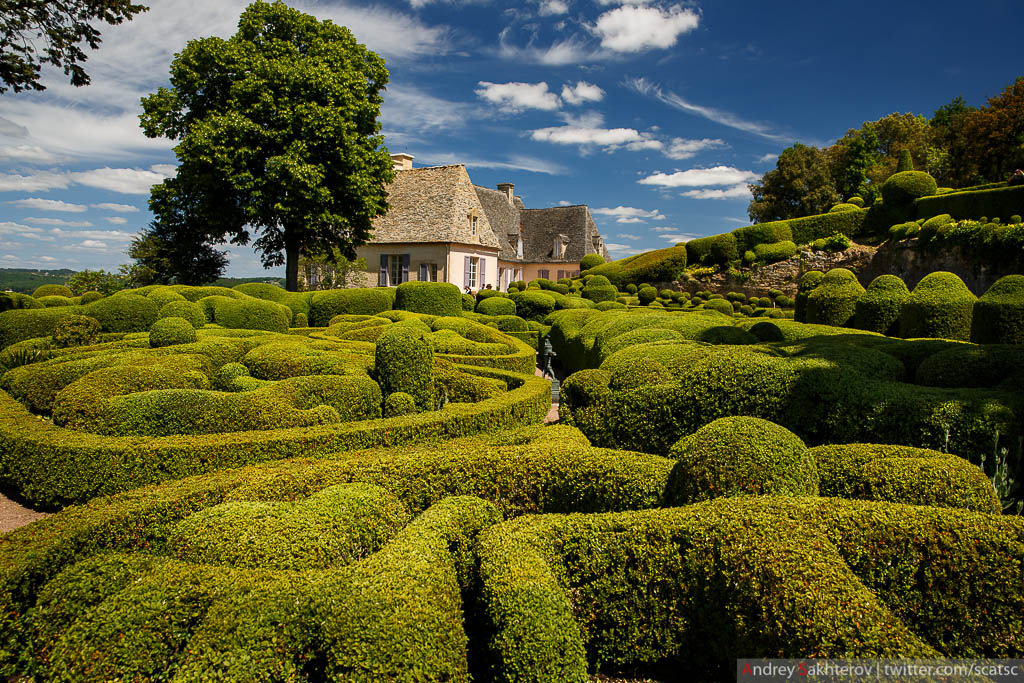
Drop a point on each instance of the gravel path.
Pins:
(13, 515)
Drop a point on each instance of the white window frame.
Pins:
(474, 271)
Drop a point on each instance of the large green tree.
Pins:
(801, 184)
(278, 137)
(38, 32)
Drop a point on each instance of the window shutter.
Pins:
(483, 272)
(405, 267)
(465, 273)
(423, 273)
(382, 280)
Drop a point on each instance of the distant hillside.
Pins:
(26, 280)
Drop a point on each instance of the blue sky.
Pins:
(656, 114)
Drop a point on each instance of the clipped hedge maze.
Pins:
(458, 560)
(136, 408)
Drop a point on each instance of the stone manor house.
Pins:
(443, 228)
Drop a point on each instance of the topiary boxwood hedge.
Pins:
(52, 290)
(833, 301)
(778, 251)
(762, 233)
(496, 305)
(716, 250)
(362, 301)
(940, 306)
(878, 309)
(432, 298)
(998, 316)
(1000, 201)
(904, 187)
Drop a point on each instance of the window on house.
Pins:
(472, 223)
(544, 274)
(395, 269)
(474, 270)
(428, 272)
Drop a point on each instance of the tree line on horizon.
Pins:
(960, 146)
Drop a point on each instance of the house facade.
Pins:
(442, 228)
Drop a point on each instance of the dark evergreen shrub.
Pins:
(404, 362)
(941, 306)
(52, 290)
(834, 300)
(878, 309)
(904, 187)
(998, 316)
(808, 281)
(906, 162)
(431, 298)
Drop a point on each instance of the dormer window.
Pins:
(474, 222)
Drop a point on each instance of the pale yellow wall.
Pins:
(531, 271)
(450, 260)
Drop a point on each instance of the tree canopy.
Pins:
(38, 32)
(959, 146)
(165, 256)
(278, 135)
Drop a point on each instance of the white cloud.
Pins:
(563, 202)
(735, 192)
(33, 154)
(570, 51)
(117, 208)
(116, 220)
(10, 229)
(107, 235)
(36, 182)
(407, 108)
(519, 96)
(622, 236)
(682, 148)
(623, 250)
(629, 214)
(59, 221)
(124, 180)
(664, 228)
(553, 7)
(701, 177)
(766, 158)
(644, 87)
(48, 205)
(513, 163)
(582, 92)
(47, 259)
(632, 28)
(588, 131)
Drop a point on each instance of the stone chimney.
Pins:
(402, 161)
(509, 190)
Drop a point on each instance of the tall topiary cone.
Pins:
(906, 162)
(999, 313)
(878, 310)
(940, 307)
(834, 300)
(404, 362)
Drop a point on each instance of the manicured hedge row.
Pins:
(998, 316)
(900, 474)
(688, 589)
(999, 202)
(51, 465)
(825, 394)
(363, 301)
(432, 298)
(660, 265)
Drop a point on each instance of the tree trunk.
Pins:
(291, 265)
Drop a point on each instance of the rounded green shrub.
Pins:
(171, 331)
(749, 256)
(856, 201)
(767, 332)
(251, 314)
(590, 261)
(90, 296)
(468, 302)
(188, 310)
(300, 320)
(599, 289)
(496, 305)
(746, 309)
(808, 281)
(76, 330)
(844, 206)
(834, 300)
(934, 223)
(398, 404)
(404, 362)
(878, 309)
(361, 301)
(533, 305)
(646, 295)
(52, 290)
(720, 305)
(54, 301)
(162, 296)
(736, 296)
(610, 306)
(1015, 219)
(124, 313)
(431, 298)
(999, 314)
(941, 306)
(904, 187)
(740, 456)
(224, 377)
(631, 288)
(716, 250)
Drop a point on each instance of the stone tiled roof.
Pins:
(433, 204)
(503, 217)
(542, 226)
